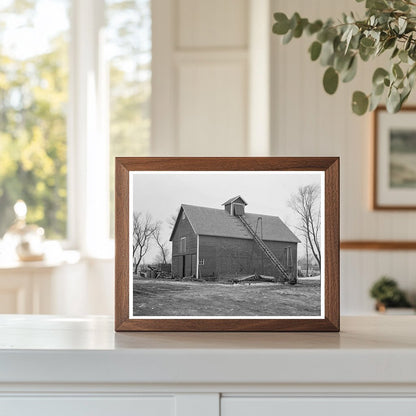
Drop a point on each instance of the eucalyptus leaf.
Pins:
(314, 27)
(393, 101)
(374, 102)
(379, 75)
(403, 56)
(281, 26)
(350, 73)
(330, 80)
(397, 71)
(288, 37)
(376, 4)
(378, 89)
(315, 50)
(402, 22)
(395, 52)
(327, 54)
(359, 103)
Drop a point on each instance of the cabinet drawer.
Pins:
(273, 406)
(87, 406)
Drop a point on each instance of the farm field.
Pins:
(176, 298)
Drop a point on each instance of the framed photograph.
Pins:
(394, 179)
(227, 244)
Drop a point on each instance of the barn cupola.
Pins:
(235, 206)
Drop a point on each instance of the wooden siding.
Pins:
(181, 267)
(229, 257)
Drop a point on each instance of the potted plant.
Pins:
(387, 294)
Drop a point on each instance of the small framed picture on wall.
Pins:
(394, 177)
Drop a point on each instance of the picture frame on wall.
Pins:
(394, 164)
(227, 244)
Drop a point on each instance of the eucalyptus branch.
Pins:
(388, 26)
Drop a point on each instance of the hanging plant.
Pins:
(389, 27)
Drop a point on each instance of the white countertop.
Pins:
(53, 349)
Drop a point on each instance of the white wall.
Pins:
(308, 122)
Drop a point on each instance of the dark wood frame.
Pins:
(330, 165)
(376, 205)
(378, 245)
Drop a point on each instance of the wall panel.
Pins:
(212, 24)
(212, 108)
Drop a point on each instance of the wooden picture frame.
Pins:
(391, 178)
(130, 170)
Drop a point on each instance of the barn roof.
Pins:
(218, 222)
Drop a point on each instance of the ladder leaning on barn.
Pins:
(266, 250)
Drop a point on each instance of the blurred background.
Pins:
(83, 81)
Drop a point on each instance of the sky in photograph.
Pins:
(161, 194)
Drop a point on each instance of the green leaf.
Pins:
(281, 27)
(359, 103)
(376, 4)
(389, 43)
(351, 71)
(327, 53)
(403, 56)
(378, 89)
(393, 101)
(330, 80)
(314, 27)
(395, 52)
(367, 42)
(379, 75)
(397, 71)
(374, 101)
(402, 24)
(288, 37)
(315, 50)
(298, 30)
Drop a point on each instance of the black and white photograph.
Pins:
(227, 244)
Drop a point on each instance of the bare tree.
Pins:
(143, 230)
(163, 246)
(306, 203)
(172, 218)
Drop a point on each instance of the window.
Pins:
(201, 262)
(33, 112)
(182, 247)
(129, 46)
(183, 215)
(75, 87)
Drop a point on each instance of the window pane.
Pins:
(33, 100)
(129, 46)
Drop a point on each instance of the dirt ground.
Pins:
(176, 298)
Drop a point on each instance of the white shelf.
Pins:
(48, 349)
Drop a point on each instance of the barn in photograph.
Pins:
(230, 242)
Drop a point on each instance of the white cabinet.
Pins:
(88, 406)
(79, 366)
(271, 406)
